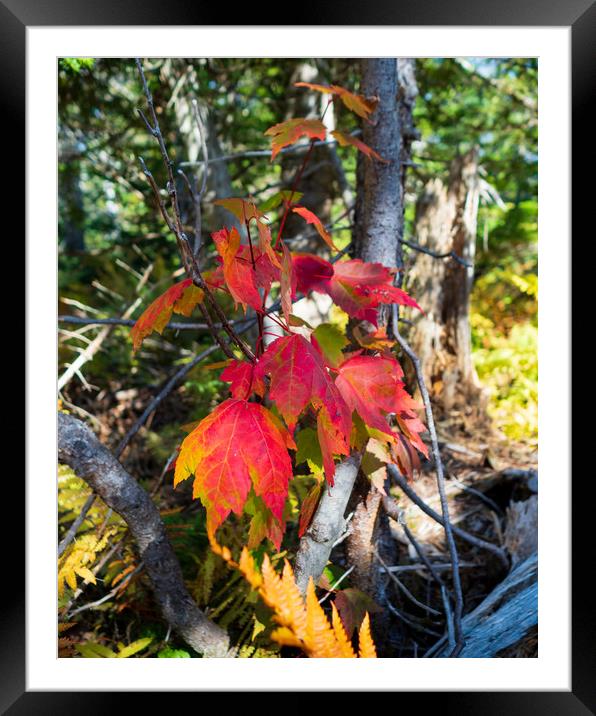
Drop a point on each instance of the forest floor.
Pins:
(485, 472)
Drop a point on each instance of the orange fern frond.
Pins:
(366, 643)
(345, 645)
(302, 624)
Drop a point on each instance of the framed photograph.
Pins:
(298, 347)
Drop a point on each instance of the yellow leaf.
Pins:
(86, 574)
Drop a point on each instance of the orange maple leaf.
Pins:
(286, 133)
(180, 298)
(246, 211)
(311, 218)
(242, 278)
(362, 106)
(347, 139)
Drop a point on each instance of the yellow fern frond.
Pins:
(76, 561)
(286, 637)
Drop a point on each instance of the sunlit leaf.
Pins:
(180, 298)
(239, 446)
(286, 133)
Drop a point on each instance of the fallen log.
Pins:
(505, 617)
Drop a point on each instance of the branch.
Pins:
(435, 255)
(87, 321)
(256, 153)
(79, 448)
(393, 511)
(187, 255)
(430, 422)
(327, 524)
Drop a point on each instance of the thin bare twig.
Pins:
(402, 587)
(73, 529)
(173, 326)
(462, 534)
(409, 622)
(336, 584)
(435, 255)
(124, 583)
(431, 568)
(430, 423)
(257, 153)
(187, 255)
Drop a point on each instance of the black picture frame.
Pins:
(580, 15)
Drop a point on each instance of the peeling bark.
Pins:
(327, 524)
(446, 221)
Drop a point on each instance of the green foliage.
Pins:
(75, 64)
(507, 365)
(169, 653)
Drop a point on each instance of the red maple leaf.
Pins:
(299, 378)
(312, 273)
(355, 286)
(241, 375)
(373, 387)
(239, 446)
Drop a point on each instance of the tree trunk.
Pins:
(446, 220)
(73, 213)
(379, 210)
(377, 235)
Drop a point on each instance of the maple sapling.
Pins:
(239, 455)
